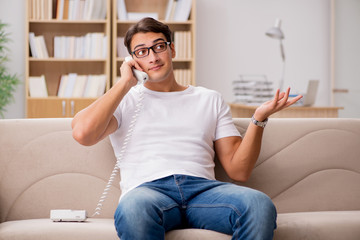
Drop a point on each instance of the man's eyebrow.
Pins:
(159, 39)
(156, 40)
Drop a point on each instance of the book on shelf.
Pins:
(38, 46)
(178, 10)
(252, 89)
(121, 10)
(73, 85)
(170, 9)
(70, 85)
(183, 46)
(32, 45)
(95, 86)
(81, 9)
(122, 51)
(91, 45)
(79, 86)
(37, 87)
(124, 15)
(136, 16)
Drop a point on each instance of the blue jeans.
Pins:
(180, 201)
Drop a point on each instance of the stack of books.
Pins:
(176, 10)
(67, 9)
(252, 89)
(73, 85)
(92, 46)
(80, 9)
(124, 15)
(41, 9)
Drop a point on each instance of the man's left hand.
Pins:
(279, 102)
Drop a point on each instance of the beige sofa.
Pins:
(309, 167)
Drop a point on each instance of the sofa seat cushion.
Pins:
(45, 229)
(195, 234)
(329, 225)
(295, 226)
(92, 229)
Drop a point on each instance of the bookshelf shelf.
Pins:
(129, 22)
(55, 21)
(61, 98)
(174, 60)
(51, 59)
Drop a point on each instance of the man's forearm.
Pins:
(246, 155)
(91, 123)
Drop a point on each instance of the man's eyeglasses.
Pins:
(157, 48)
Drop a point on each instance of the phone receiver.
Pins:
(141, 76)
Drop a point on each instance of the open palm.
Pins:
(279, 102)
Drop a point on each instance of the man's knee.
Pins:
(136, 205)
(137, 208)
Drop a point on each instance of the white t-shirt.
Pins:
(174, 133)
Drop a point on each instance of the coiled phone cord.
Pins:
(115, 171)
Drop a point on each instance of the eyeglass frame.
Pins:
(152, 48)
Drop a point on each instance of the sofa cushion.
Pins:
(45, 229)
(195, 234)
(92, 229)
(329, 225)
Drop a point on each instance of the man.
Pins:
(166, 158)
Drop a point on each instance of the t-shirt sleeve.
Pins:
(225, 125)
(118, 114)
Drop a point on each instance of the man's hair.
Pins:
(146, 25)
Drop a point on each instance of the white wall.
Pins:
(231, 40)
(347, 56)
(13, 13)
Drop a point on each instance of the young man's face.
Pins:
(157, 65)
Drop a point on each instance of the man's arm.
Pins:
(97, 121)
(238, 156)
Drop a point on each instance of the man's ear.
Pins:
(173, 52)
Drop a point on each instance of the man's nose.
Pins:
(153, 55)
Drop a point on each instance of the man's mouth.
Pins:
(155, 68)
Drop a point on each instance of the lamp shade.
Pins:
(276, 32)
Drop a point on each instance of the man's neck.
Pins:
(168, 85)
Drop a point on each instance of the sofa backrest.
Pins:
(304, 165)
(307, 164)
(43, 168)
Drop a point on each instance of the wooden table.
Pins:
(246, 111)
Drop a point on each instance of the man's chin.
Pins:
(154, 79)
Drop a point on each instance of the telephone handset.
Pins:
(141, 76)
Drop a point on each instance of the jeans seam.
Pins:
(183, 202)
(216, 206)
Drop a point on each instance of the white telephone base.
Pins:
(67, 215)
